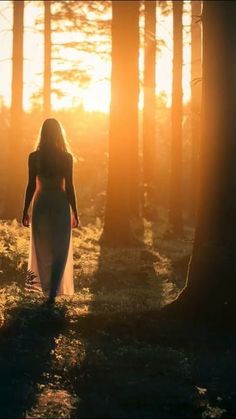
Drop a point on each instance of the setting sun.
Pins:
(94, 92)
(117, 209)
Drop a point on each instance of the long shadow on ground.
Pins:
(26, 342)
(136, 368)
(148, 365)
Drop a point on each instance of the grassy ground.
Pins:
(105, 353)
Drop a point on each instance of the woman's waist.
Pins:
(50, 193)
(53, 195)
(51, 188)
(50, 199)
(50, 183)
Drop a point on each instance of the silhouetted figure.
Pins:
(54, 212)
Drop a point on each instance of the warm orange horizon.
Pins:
(96, 94)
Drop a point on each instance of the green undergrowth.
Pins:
(105, 353)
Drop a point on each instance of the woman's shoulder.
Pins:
(33, 156)
(68, 157)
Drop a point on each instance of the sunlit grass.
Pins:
(106, 279)
(89, 356)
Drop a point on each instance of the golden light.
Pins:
(97, 97)
(94, 95)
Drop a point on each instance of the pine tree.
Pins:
(149, 144)
(196, 85)
(14, 191)
(175, 214)
(211, 277)
(123, 177)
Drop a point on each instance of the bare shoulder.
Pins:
(69, 157)
(32, 157)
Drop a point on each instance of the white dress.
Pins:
(50, 264)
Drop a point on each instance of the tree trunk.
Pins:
(175, 215)
(212, 270)
(14, 192)
(149, 144)
(196, 87)
(47, 60)
(122, 190)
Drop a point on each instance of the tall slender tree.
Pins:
(149, 149)
(70, 16)
(123, 174)
(131, 98)
(47, 59)
(14, 187)
(211, 276)
(175, 214)
(196, 86)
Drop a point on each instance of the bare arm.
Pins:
(70, 191)
(31, 184)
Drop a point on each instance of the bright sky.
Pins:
(95, 95)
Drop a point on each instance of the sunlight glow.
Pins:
(97, 97)
(95, 93)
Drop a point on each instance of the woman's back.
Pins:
(51, 169)
(51, 163)
(51, 251)
(54, 211)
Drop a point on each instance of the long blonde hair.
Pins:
(52, 136)
(52, 146)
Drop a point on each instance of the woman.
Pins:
(54, 212)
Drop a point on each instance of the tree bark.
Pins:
(47, 60)
(149, 144)
(14, 193)
(196, 87)
(175, 214)
(123, 174)
(212, 270)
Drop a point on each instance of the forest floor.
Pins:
(105, 353)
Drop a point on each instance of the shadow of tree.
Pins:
(149, 366)
(144, 363)
(125, 358)
(123, 375)
(26, 342)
